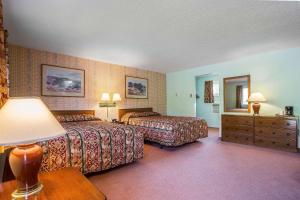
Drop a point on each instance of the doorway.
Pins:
(208, 111)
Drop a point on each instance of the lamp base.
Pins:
(25, 161)
(25, 194)
(256, 108)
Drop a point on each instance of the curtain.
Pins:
(3, 65)
(239, 96)
(208, 92)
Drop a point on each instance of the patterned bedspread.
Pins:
(92, 146)
(169, 130)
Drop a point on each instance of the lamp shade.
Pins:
(105, 96)
(256, 97)
(26, 120)
(116, 97)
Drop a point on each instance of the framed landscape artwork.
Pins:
(136, 88)
(62, 82)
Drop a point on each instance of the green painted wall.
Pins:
(204, 110)
(276, 75)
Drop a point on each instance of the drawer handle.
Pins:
(288, 134)
(274, 133)
(288, 144)
(273, 142)
(288, 124)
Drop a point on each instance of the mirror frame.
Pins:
(225, 92)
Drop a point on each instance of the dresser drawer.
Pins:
(248, 130)
(237, 138)
(276, 122)
(230, 120)
(287, 144)
(275, 133)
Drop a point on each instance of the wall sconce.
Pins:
(105, 101)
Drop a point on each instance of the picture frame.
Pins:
(57, 81)
(136, 87)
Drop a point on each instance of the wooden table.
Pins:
(65, 184)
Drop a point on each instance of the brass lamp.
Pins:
(106, 102)
(23, 122)
(256, 98)
(116, 97)
(105, 97)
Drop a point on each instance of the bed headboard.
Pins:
(127, 110)
(72, 112)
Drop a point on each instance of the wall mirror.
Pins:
(236, 94)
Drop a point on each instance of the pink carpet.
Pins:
(208, 170)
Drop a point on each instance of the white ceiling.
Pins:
(159, 35)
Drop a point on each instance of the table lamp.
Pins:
(116, 97)
(256, 98)
(23, 122)
(105, 98)
(106, 102)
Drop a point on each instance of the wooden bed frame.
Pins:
(72, 112)
(127, 110)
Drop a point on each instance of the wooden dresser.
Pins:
(267, 131)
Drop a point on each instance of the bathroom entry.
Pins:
(208, 99)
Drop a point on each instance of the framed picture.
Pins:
(136, 88)
(62, 82)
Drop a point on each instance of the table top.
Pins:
(66, 183)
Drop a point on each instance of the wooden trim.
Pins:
(72, 112)
(225, 92)
(65, 68)
(127, 110)
(139, 78)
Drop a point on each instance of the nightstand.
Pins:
(67, 183)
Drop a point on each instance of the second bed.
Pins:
(165, 130)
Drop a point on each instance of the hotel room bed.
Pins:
(165, 130)
(91, 145)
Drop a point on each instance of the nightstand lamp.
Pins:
(256, 98)
(105, 97)
(116, 97)
(23, 122)
(105, 101)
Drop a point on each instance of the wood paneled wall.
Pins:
(3, 61)
(25, 80)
